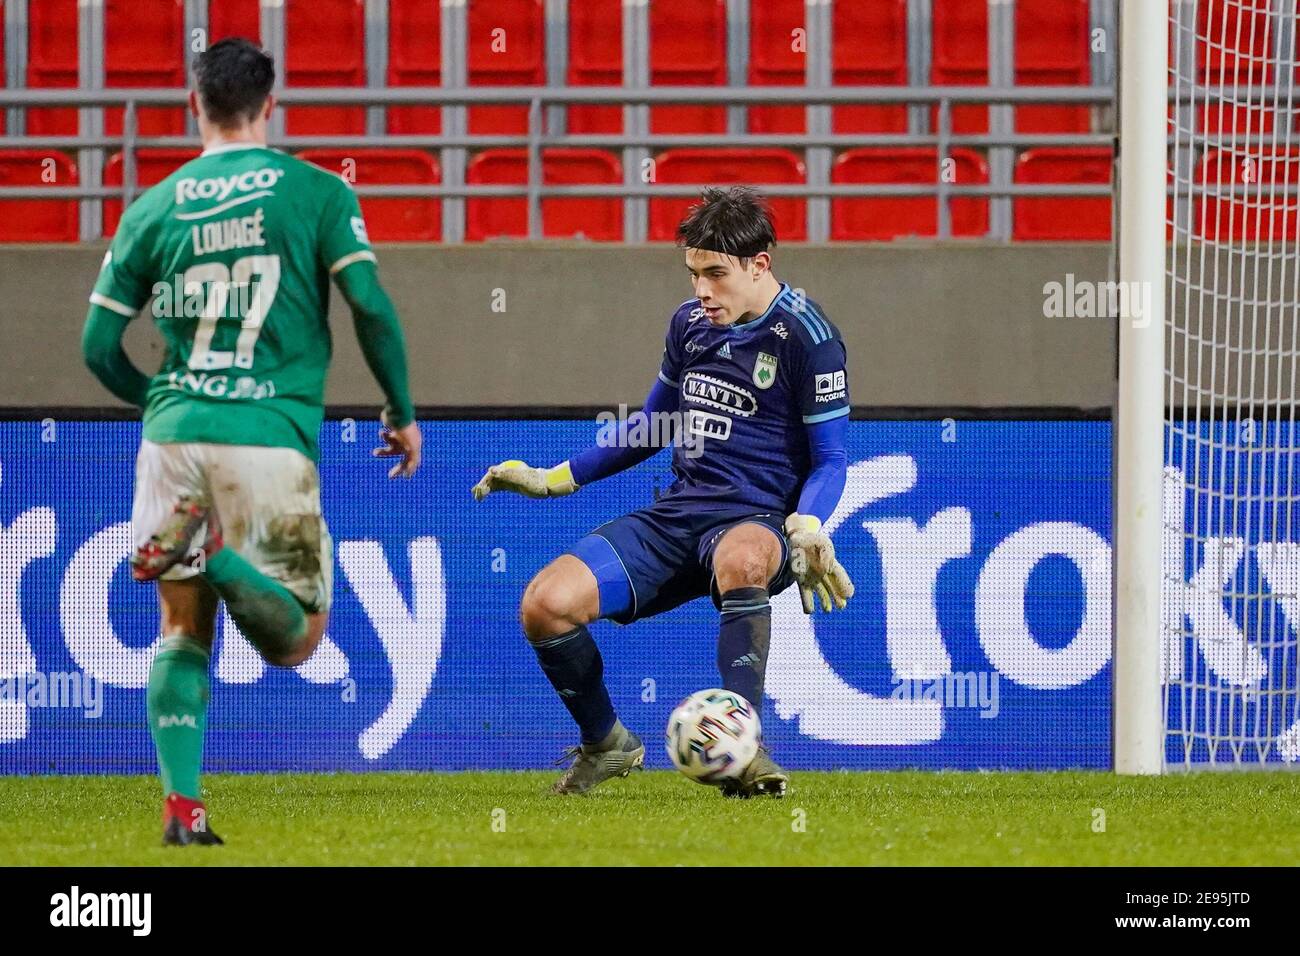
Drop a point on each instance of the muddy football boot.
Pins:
(761, 778)
(616, 756)
(170, 545)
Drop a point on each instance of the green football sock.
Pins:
(177, 705)
(267, 614)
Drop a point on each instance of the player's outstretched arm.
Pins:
(101, 345)
(812, 555)
(599, 461)
(380, 336)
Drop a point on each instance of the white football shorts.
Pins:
(268, 500)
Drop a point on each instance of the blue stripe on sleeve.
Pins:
(821, 321)
(825, 416)
(811, 328)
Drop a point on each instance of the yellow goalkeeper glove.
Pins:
(523, 479)
(813, 563)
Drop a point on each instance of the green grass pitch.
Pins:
(660, 818)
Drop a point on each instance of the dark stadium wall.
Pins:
(570, 324)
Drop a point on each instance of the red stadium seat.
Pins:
(583, 218)
(152, 166)
(37, 220)
(144, 43)
(595, 59)
(389, 220)
(1064, 217)
(144, 46)
(52, 62)
(720, 166)
(870, 49)
(776, 59)
(235, 18)
(688, 47)
(507, 40)
(895, 217)
(1234, 43)
(960, 56)
(1051, 49)
(414, 59)
(325, 46)
(1259, 215)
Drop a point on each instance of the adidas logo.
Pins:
(725, 351)
(748, 660)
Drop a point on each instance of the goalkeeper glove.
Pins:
(522, 479)
(813, 563)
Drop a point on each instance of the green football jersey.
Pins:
(233, 253)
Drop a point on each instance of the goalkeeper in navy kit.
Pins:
(757, 373)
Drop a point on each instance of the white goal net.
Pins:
(1230, 592)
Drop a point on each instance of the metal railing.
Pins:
(943, 99)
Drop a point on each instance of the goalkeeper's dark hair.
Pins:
(233, 78)
(736, 221)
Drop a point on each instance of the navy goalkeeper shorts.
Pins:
(655, 559)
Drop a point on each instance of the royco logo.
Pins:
(220, 187)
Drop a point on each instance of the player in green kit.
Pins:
(235, 251)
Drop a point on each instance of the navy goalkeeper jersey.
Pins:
(748, 393)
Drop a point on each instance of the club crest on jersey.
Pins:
(765, 370)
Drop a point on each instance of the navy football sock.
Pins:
(743, 640)
(573, 665)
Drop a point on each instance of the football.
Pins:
(713, 735)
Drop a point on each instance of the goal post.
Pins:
(1138, 722)
(1206, 524)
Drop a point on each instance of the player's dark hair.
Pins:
(233, 77)
(736, 221)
